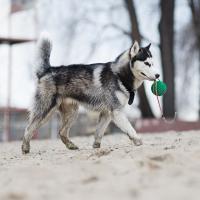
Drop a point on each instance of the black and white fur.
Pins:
(103, 87)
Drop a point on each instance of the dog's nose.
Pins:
(157, 75)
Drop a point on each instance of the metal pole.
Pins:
(36, 21)
(7, 116)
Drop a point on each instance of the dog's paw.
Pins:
(137, 141)
(70, 145)
(25, 148)
(96, 145)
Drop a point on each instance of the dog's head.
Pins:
(141, 63)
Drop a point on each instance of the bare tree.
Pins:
(135, 35)
(166, 28)
(195, 10)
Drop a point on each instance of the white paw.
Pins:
(137, 141)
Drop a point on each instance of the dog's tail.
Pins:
(44, 47)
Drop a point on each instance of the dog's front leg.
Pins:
(123, 123)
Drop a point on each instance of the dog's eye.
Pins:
(146, 63)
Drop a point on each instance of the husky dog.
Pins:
(103, 87)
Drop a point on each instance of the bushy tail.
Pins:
(43, 55)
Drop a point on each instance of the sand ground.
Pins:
(166, 167)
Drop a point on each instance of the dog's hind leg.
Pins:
(68, 112)
(104, 120)
(42, 110)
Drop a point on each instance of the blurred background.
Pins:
(98, 31)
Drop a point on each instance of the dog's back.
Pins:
(92, 85)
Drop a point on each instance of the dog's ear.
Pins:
(148, 46)
(134, 49)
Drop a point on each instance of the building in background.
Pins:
(15, 6)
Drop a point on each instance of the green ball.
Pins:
(158, 88)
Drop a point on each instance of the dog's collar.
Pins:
(131, 97)
(131, 93)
